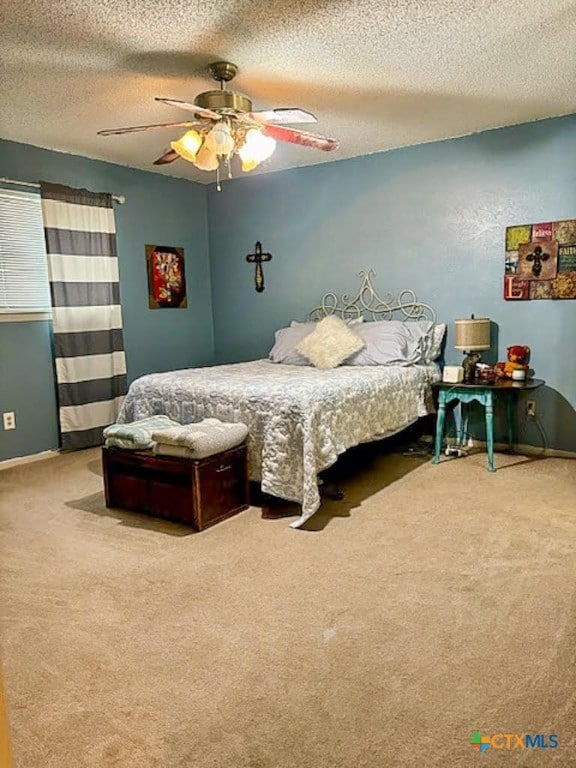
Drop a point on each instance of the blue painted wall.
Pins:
(431, 218)
(157, 210)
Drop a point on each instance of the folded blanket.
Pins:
(165, 449)
(136, 435)
(204, 438)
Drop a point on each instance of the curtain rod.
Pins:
(118, 198)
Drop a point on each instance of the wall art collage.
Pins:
(541, 261)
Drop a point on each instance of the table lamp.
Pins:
(472, 336)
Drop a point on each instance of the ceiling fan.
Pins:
(224, 125)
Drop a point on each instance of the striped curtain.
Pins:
(89, 356)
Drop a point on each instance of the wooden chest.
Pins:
(198, 493)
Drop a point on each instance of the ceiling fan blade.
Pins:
(167, 157)
(136, 128)
(304, 138)
(284, 115)
(200, 111)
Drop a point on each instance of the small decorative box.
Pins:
(453, 374)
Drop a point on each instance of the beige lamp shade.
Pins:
(472, 334)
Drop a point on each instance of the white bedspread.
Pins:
(300, 418)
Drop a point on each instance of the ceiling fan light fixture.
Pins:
(188, 145)
(206, 159)
(227, 125)
(249, 165)
(256, 149)
(220, 139)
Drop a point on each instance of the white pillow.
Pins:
(435, 339)
(394, 342)
(391, 342)
(330, 343)
(286, 340)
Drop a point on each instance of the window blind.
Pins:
(24, 283)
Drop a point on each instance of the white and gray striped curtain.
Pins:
(80, 235)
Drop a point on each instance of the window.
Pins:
(24, 287)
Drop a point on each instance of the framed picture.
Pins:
(166, 277)
(540, 261)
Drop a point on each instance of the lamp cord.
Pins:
(538, 423)
(533, 418)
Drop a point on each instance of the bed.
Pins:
(300, 418)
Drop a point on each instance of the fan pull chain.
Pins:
(218, 185)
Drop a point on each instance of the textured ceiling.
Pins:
(376, 74)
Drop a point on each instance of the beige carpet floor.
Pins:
(433, 602)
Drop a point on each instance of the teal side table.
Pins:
(486, 395)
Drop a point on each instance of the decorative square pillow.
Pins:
(330, 343)
(287, 339)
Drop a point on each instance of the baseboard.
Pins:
(7, 463)
(529, 450)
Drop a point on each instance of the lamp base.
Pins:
(469, 364)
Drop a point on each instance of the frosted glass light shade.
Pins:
(249, 165)
(220, 140)
(256, 149)
(206, 160)
(472, 334)
(188, 145)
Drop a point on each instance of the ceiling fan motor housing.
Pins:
(223, 70)
(226, 101)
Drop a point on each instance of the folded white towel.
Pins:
(204, 438)
(164, 449)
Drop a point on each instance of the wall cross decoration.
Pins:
(258, 258)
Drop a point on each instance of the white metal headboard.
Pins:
(368, 302)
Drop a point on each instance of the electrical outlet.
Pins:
(531, 408)
(9, 420)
